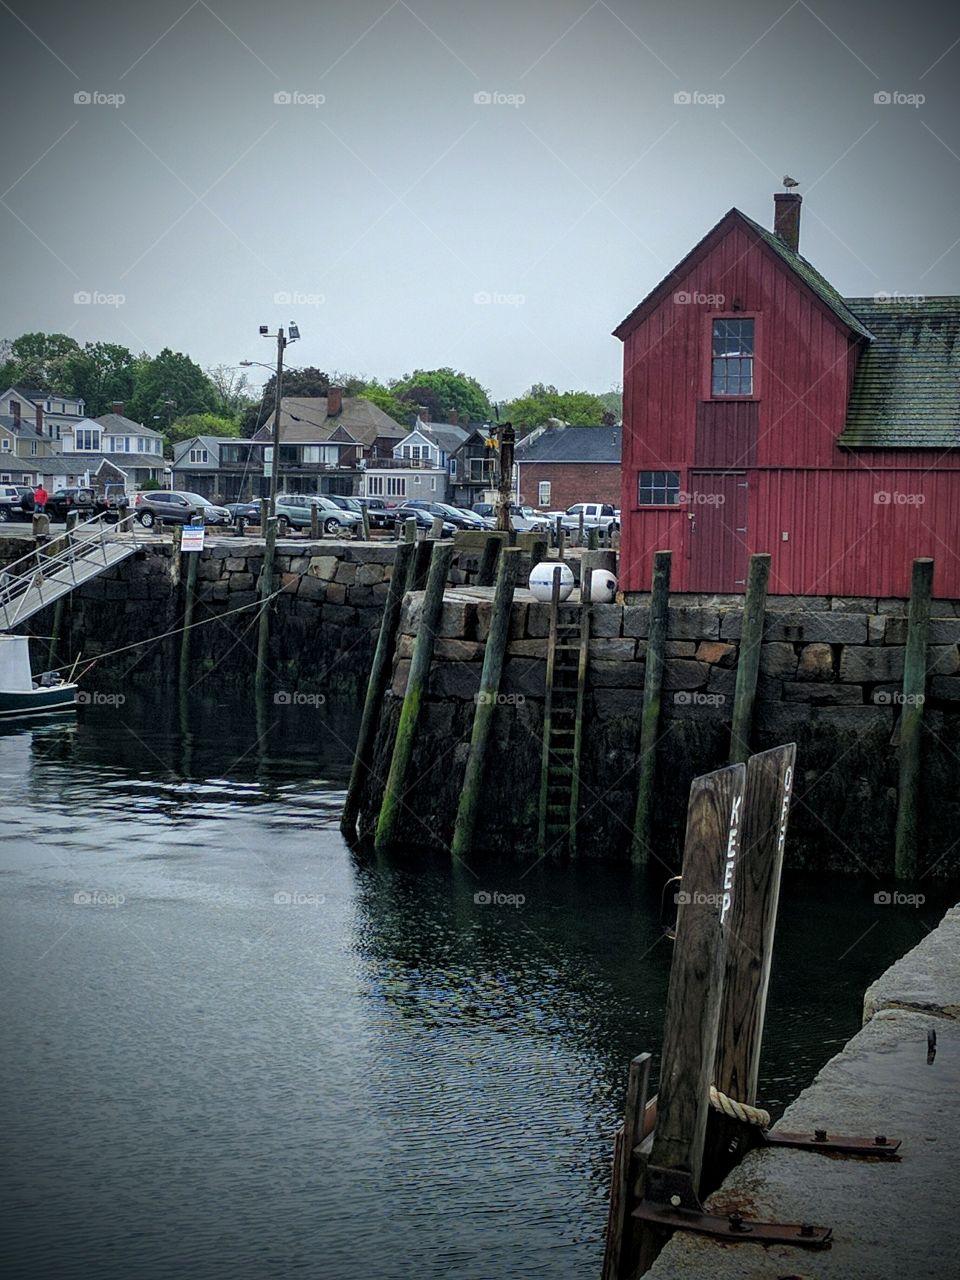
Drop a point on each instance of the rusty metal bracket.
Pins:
(733, 1227)
(671, 1203)
(880, 1147)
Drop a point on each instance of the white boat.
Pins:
(22, 697)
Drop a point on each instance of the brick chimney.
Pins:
(453, 418)
(786, 218)
(423, 413)
(15, 410)
(334, 401)
(117, 408)
(39, 419)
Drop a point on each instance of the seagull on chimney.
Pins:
(789, 182)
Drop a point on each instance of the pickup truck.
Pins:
(596, 515)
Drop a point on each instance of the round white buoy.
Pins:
(603, 587)
(541, 580)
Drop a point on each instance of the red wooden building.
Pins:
(764, 412)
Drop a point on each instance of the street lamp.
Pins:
(282, 341)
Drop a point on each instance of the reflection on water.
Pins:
(234, 1049)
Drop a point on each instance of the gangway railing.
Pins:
(88, 546)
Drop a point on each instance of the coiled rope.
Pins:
(738, 1110)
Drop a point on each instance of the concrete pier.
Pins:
(889, 1220)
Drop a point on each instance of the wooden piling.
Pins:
(593, 538)
(538, 553)
(315, 522)
(365, 517)
(393, 796)
(420, 565)
(376, 687)
(55, 633)
(266, 590)
(650, 711)
(621, 1232)
(748, 662)
(494, 651)
(436, 528)
(748, 914)
(911, 721)
(410, 530)
(488, 561)
(189, 595)
(693, 996)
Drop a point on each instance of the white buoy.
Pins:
(603, 587)
(541, 580)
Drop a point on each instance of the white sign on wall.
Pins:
(191, 539)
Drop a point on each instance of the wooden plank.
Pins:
(650, 711)
(693, 996)
(376, 687)
(911, 721)
(583, 662)
(748, 914)
(622, 1233)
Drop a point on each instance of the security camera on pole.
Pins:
(292, 335)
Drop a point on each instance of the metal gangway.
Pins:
(63, 563)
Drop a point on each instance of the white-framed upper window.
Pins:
(141, 445)
(543, 493)
(87, 438)
(198, 455)
(33, 447)
(5, 477)
(6, 445)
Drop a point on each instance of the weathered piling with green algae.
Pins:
(189, 596)
(488, 561)
(266, 590)
(376, 687)
(911, 720)
(496, 647)
(748, 663)
(650, 710)
(394, 791)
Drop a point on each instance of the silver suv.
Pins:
(293, 512)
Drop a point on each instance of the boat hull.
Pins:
(25, 704)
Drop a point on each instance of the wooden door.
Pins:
(717, 530)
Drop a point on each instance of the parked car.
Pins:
(293, 512)
(523, 519)
(484, 509)
(87, 501)
(452, 515)
(166, 506)
(382, 514)
(10, 500)
(243, 510)
(424, 520)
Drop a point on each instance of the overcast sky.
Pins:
(402, 222)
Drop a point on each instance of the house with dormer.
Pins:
(419, 465)
(48, 411)
(766, 412)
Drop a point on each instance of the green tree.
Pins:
(169, 386)
(100, 374)
(38, 359)
(443, 390)
(384, 399)
(201, 424)
(612, 401)
(232, 390)
(576, 408)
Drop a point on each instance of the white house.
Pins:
(422, 466)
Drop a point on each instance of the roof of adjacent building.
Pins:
(801, 268)
(572, 444)
(20, 427)
(445, 435)
(906, 389)
(118, 424)
(210, 443)
(304, 420)
(53, 465)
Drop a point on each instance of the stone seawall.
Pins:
(829, 680)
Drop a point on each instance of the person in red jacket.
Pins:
(40, 496)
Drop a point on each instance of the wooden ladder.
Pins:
(567, 655)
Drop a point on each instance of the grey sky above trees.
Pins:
(487, 186)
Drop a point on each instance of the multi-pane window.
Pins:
(396, 486)
(375, 486)
(198, 455)
(88, 438)
(658, 489)
(543, 493)
(732, 358)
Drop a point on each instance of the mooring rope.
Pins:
(738, 1110)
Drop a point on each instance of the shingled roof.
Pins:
(304, 420)
(906, 389)
(572, 444)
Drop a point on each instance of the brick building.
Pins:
(559, 465)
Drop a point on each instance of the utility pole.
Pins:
(282, 341)
(507, 440)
